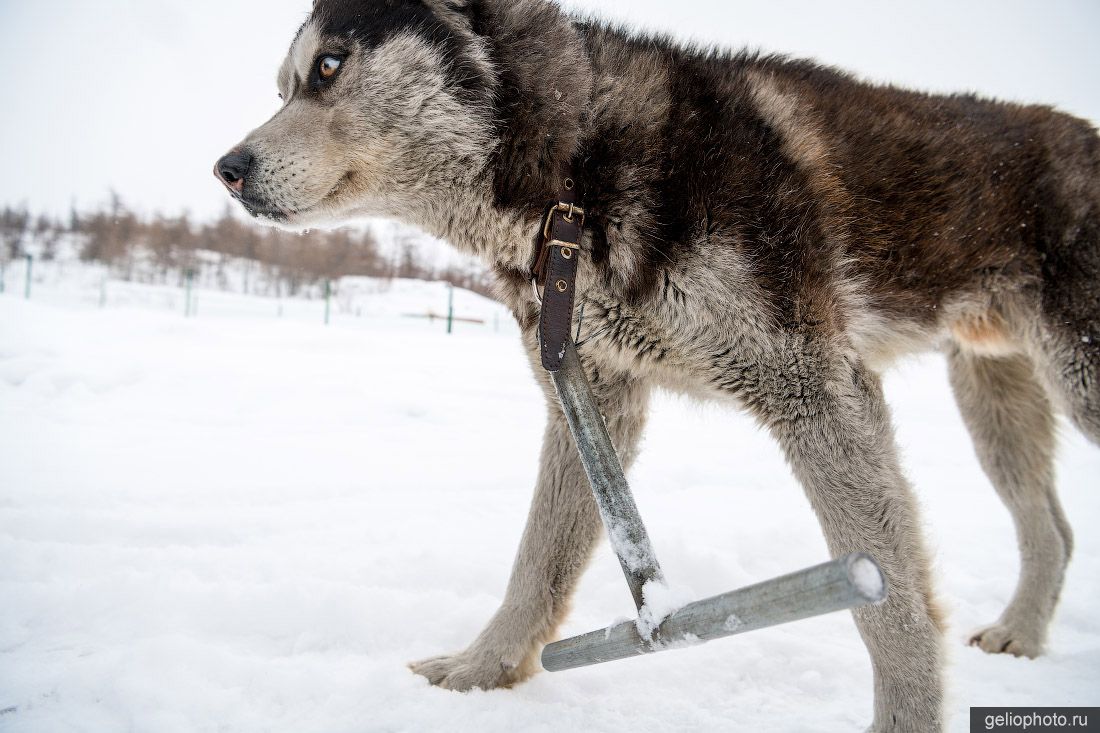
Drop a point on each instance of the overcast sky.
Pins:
(143, 95)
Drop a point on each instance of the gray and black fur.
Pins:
(762, 231)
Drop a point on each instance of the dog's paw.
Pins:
(911, 721)
(917, 723)
(468, 670)
(1006, 638)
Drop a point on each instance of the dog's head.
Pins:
(386, 103)
(382, 101)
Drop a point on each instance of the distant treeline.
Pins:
(161, 248)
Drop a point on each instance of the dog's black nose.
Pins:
(232, 169)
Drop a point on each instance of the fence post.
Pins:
(2, 275)
(450, 307)
(103, 291)
(30, 268)
(187, 303)
(328, 299)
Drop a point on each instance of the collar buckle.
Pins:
(570, 211)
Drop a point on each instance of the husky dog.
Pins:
(760, 230)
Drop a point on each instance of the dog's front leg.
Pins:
(829, 414)
(562, 528)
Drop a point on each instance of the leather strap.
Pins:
(556, 270)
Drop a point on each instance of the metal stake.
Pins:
(620, 515)
(853, 580)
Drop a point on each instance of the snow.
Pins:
(241, 522)
(733, 623)
(661, 600)
(684, 642)
(230, 287)
(621, 535)
(867, 577)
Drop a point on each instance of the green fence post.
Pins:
(190, 277)
(328, 300)
(30, 268)
(450, 308)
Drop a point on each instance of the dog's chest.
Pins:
(693, 346)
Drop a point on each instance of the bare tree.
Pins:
(13, 229)
(275, 261)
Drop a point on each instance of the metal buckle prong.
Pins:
(568, 209)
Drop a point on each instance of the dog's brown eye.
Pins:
(328, 67)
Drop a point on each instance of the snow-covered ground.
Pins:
(221, 292)
(241, 522)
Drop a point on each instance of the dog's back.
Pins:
(966, 217)
(951, 196)
(924, 215)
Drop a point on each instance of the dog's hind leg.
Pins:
(1062, 326)
(830, 417)
(1011, 421)
(1076, 376)
(562, 528)
(1068, 350)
